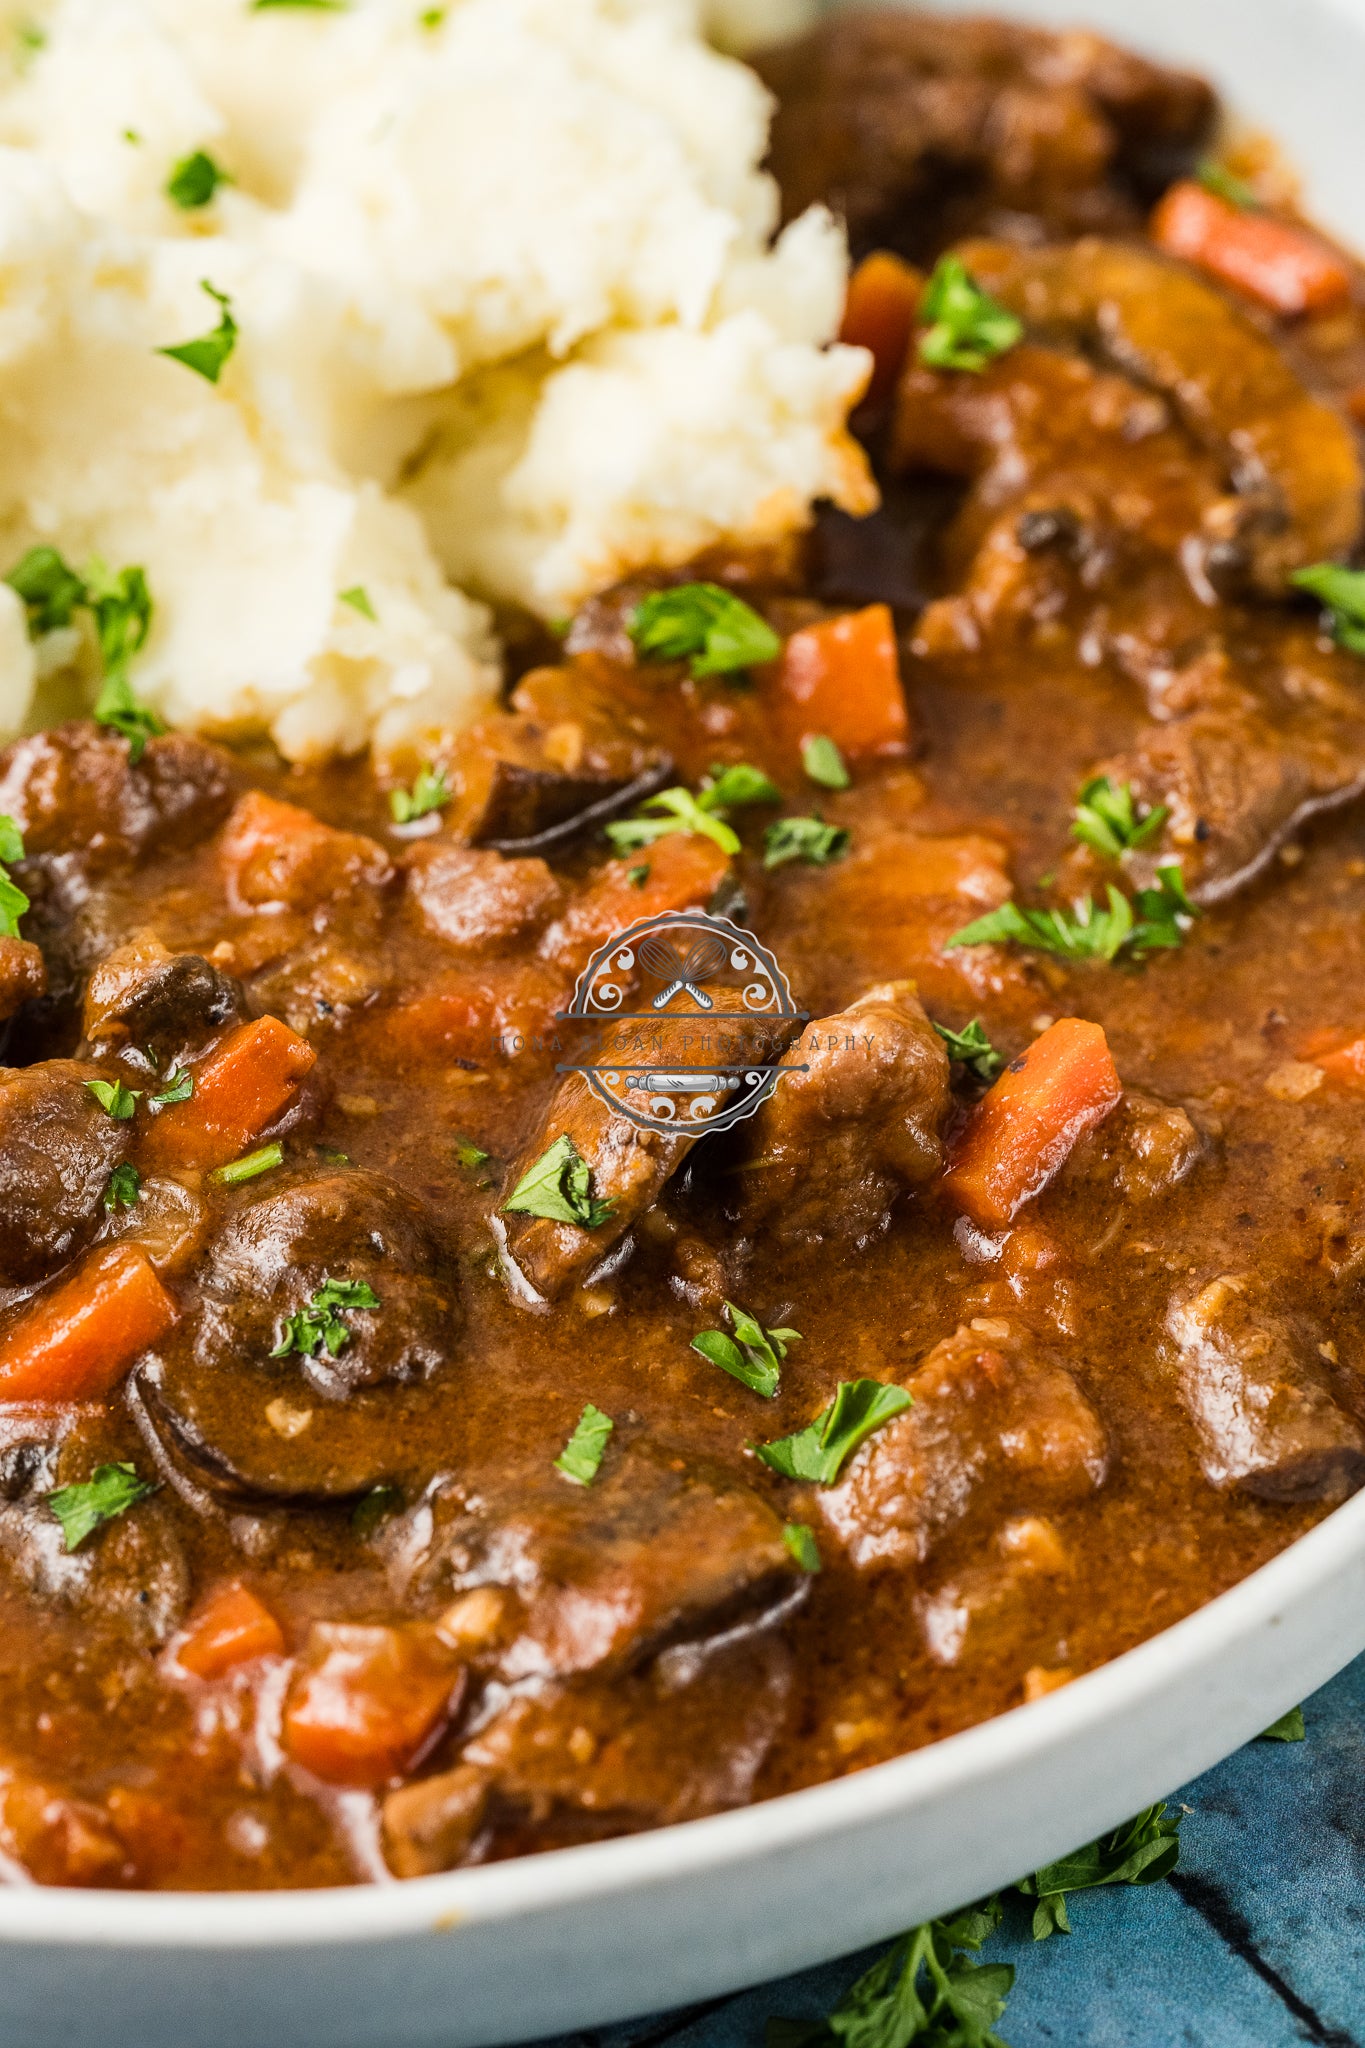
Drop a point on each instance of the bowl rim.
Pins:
(540, 1884)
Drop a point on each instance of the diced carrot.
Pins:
(239, 1090)
(368, 1700)
(482, 1014)
(1023, 1131)
(1344, 1064)
(77, 1342)
(1282, 266)
(275, 855)
(679, 872)
(842, 678)
(57, 1840)
(879, 314)
(231, 1627)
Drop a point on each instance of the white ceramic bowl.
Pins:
(584, 1936)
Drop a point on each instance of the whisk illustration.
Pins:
(682, 971)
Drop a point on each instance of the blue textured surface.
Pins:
(1258, 1941)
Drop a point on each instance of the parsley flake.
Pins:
(965, 328)
(558, 1187)
(805, 839)
(824, 763)
(13, 901)
(973, 1050)
(430, 792)
(1289, 1728)
(680, 812)
(799, 1538)
(207, 354)
(1088, 932)
(1107, 819)
(194, 181)
(581, 1457)
(925, 1990)
(114, 1099)
(251, 1165)
(124, 1190)
(730, 787)
(358, 598)
(1225, 184)
(81, 1509)
(375, 1507)
(319, 1326)
(179, 1088)
(637, 877)
(753, 1355)
(50, 588)
(1142, 1851)
(431, 17)
(1342, 592)
(704, 624)
(820, 1451)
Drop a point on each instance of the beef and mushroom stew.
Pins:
(406, 1458)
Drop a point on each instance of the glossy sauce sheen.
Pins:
(1071, 1477)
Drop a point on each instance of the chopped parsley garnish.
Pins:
(926, 1992)
(50, 588)
(124, 1189)
(319, 1326)
(1289, 1728)
(726, 789)
(1342, 591)
(965, 328)
(637, 877)
(114, 1099)
(430, 792)
(820, 1451)
(13, 901)
(1087, 932)
(1107, 819)
(559, 1187)
(1225, 184)
(824, 763)
(330, 1155)
(469, 1154)
(753, 1355)
(806, 839)
(375, 1507)
(358, 598)
(194, 180)
(30, 38)
(729, 787)
(207, 355)
(251, 1165)
(119, 709)
(680, 812)
(81, 1509)
(582, 1455)
(799, 1538)
(972, 1049)
(431, 17)
(179, 1088)
(704, 624)
(1142, 1851)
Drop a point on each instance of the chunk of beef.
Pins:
(57, 1151)
(23, 976)
(278, 857)
(993, 1600)
(1237, 786)
(629, 1162)
(166, 1004)
(662, 1549)
(585, 1760)
(856, 1122)
(476, 901)
(563, 761)
(881, 113)
(994, 1429)
(1140, 1151)
(74, 790)
(315, 1423)
(1259, 1392)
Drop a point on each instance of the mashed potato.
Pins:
(509, 322)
